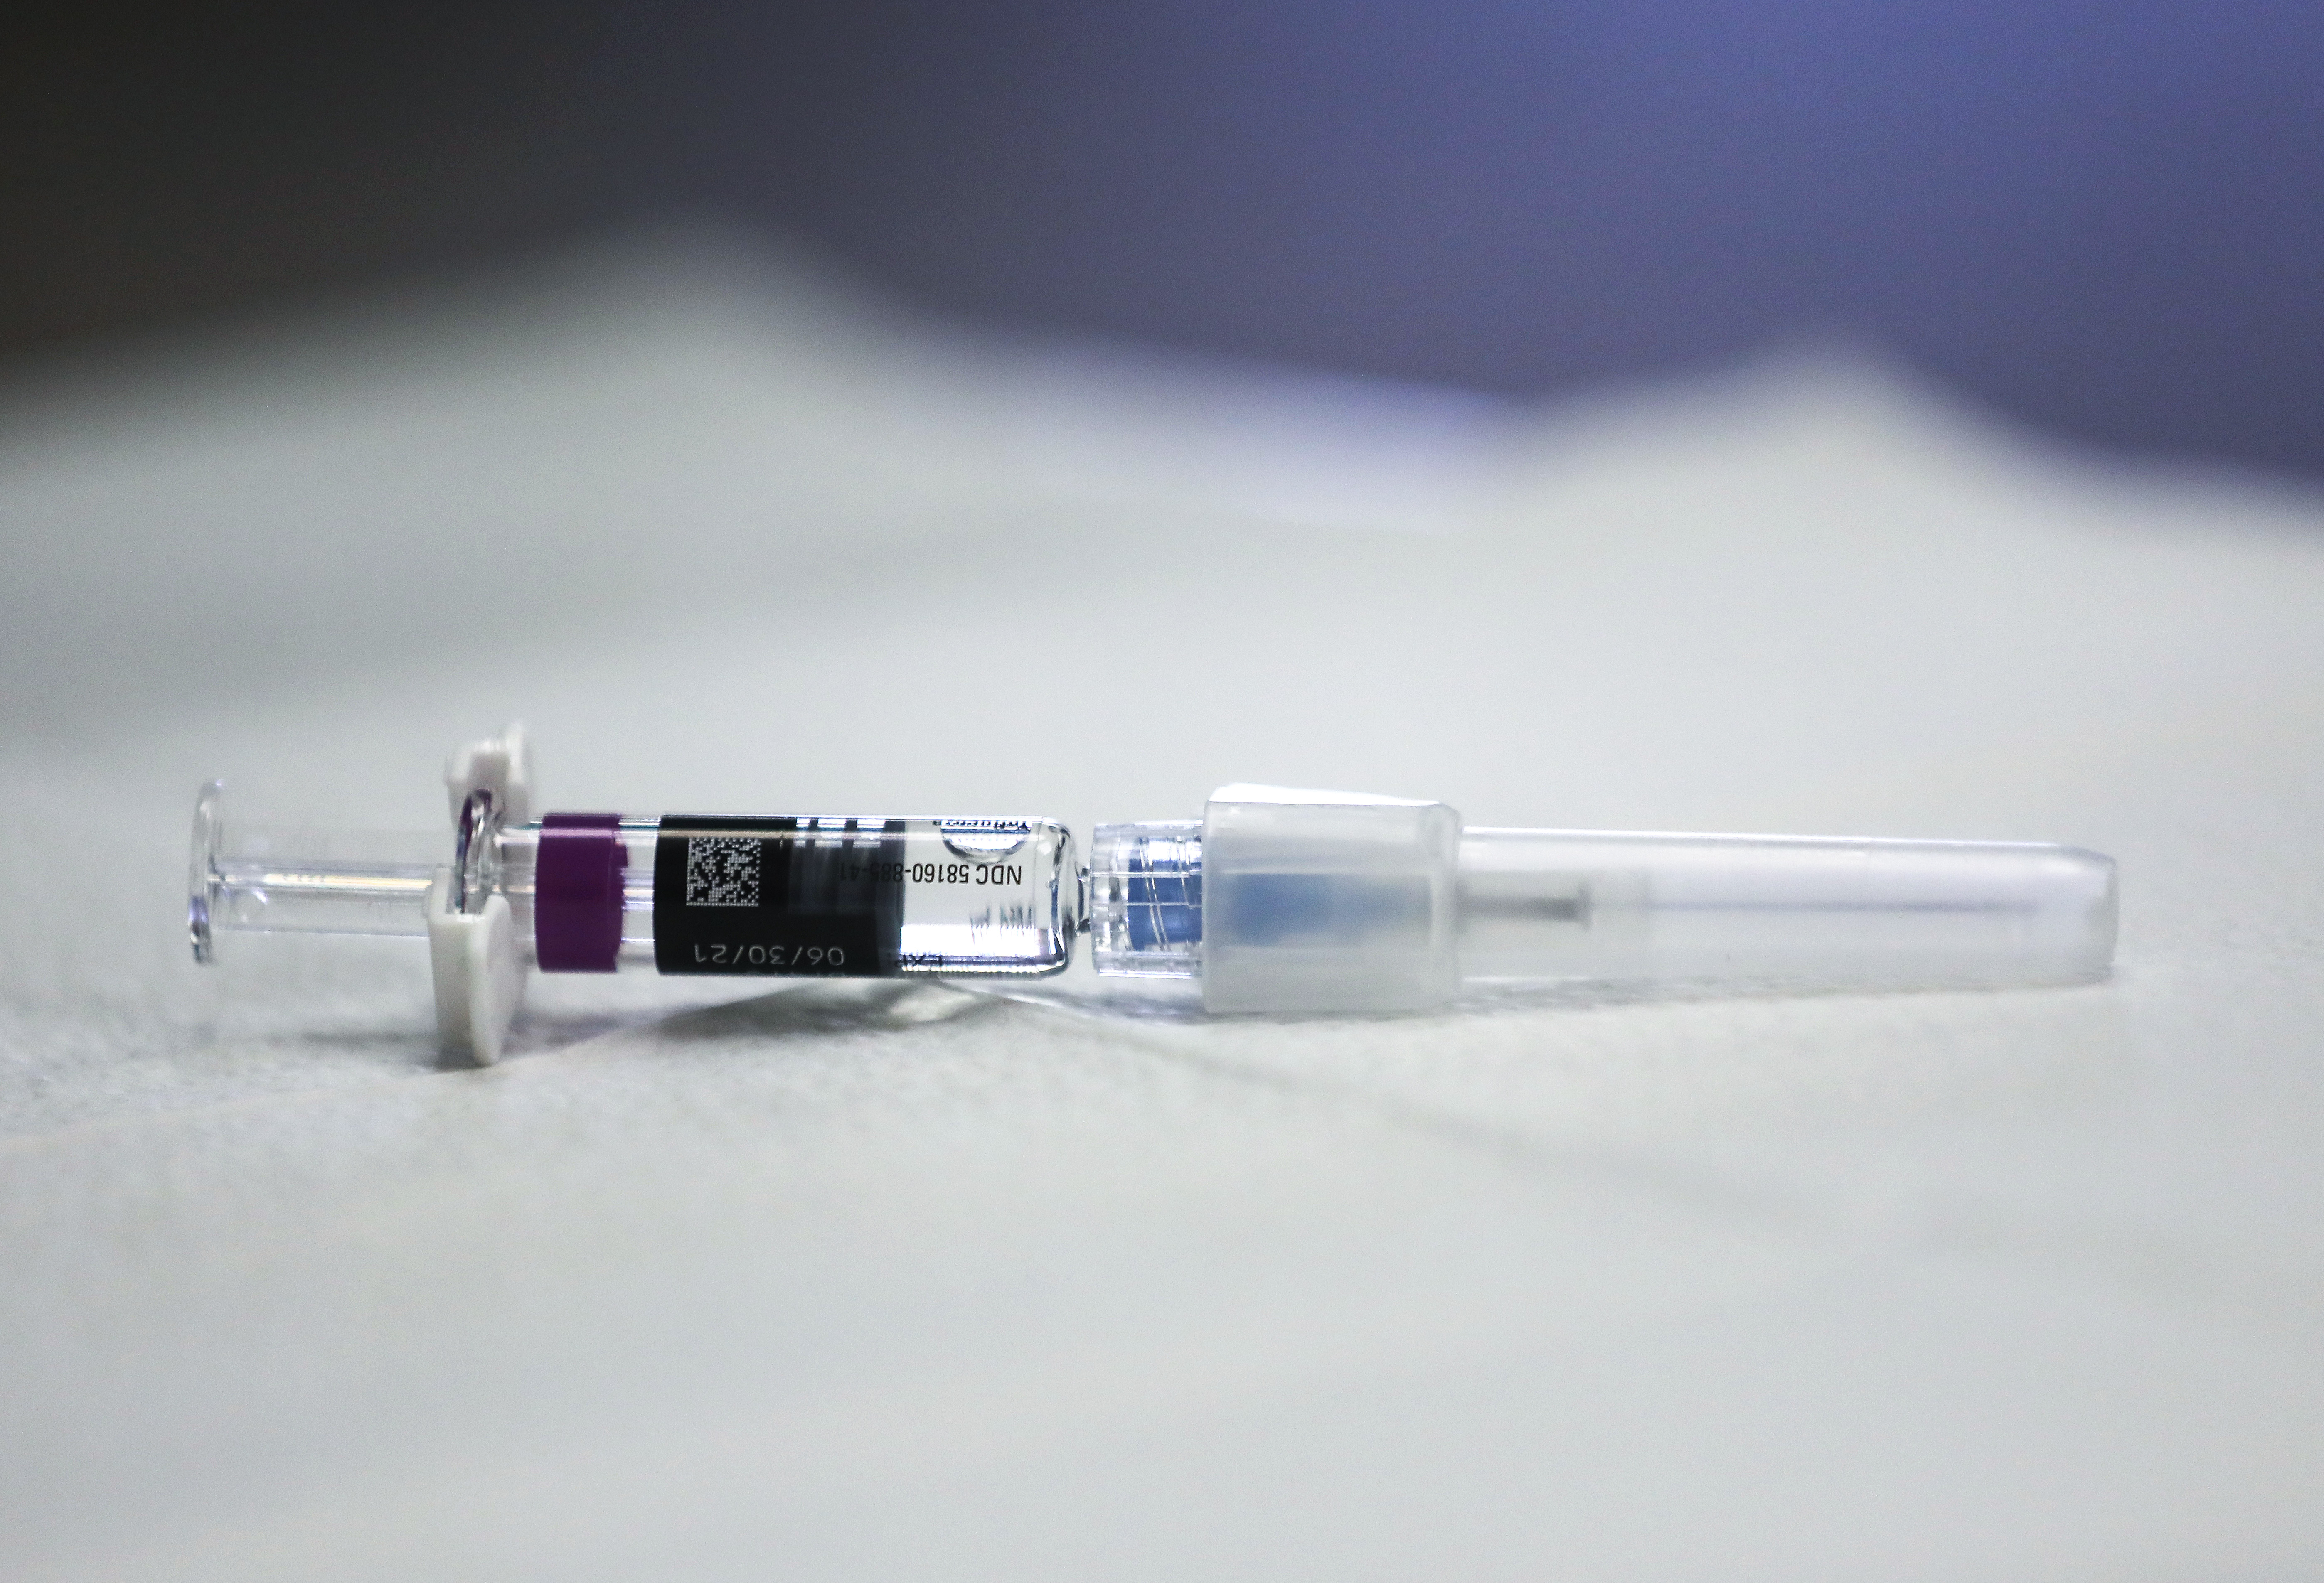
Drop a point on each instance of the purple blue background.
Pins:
(2104, 219)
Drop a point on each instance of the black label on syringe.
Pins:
(781, 897)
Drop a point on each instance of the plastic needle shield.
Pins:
(1276, 900)
(1282, 900)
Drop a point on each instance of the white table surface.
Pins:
(853, 1281)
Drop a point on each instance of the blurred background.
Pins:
(2104, 219)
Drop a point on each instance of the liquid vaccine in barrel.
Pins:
(776, 895)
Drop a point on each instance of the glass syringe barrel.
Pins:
(784, 895)
(1282, 901)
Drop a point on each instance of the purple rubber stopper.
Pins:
(577, 893)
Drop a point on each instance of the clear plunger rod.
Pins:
(276, 880)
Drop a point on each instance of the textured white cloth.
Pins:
(854, 1280)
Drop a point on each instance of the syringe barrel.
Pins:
(752, 896)
(1780, 911)
(821, 895)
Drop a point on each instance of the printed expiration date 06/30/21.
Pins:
(719, 954)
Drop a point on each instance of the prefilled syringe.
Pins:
(1275, 900)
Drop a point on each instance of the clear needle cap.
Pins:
(1285, 900)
